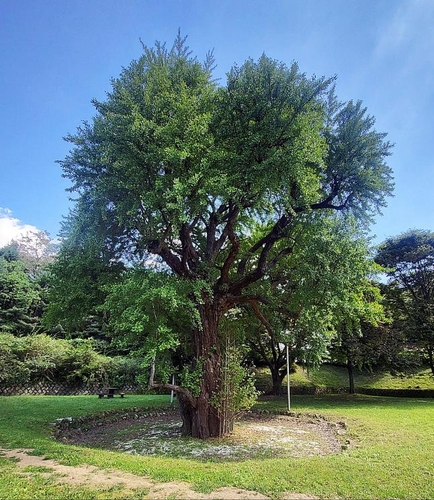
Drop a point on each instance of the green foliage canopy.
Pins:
(322, 283)
(174, 166)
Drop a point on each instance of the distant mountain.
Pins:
(36, 245)
(30, 242)
(35, 249)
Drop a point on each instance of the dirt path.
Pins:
(99, 479)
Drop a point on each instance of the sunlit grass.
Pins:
(390, 454)
(337, 377)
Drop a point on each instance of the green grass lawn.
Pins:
(390, 454)
(337, 377)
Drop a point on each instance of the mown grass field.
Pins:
(390, 454)
(337, 377)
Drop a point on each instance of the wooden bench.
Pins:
(110, 392)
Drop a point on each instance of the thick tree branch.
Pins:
(179, 390)
(233, 212)
(233, 251)
(262, 266)
(274, 235)
(158, 248)
(264, 321)
(211, 228)
(283, 253)
(190, 256)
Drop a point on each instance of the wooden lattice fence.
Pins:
(46, 388)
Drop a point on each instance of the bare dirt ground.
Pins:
(254, 437)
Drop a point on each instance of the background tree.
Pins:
(355, 318)
(78, 279)
(306, 293)
(151, 316)
(409, 259)
(174, 166)
(399, 353)
(39, 357)
(21, 298)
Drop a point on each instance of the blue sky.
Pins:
(55, 56)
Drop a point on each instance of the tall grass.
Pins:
(390, 455)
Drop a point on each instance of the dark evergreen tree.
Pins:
(21, 297)
(409, 259)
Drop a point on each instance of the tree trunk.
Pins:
(277, 379)
(151, 373)
(186, 414)
(351, 376)
(431, 357)
(201, 419)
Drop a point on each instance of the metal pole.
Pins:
(172, 392)
(287, 377)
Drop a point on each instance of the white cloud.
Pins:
(12, 228)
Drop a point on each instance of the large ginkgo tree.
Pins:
(211, 178)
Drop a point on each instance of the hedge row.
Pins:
(397, 393)
(36, 358)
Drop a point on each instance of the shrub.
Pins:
(126, 371)
(40, 357)
(86, 366)
(45, 356)
(13, 369)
